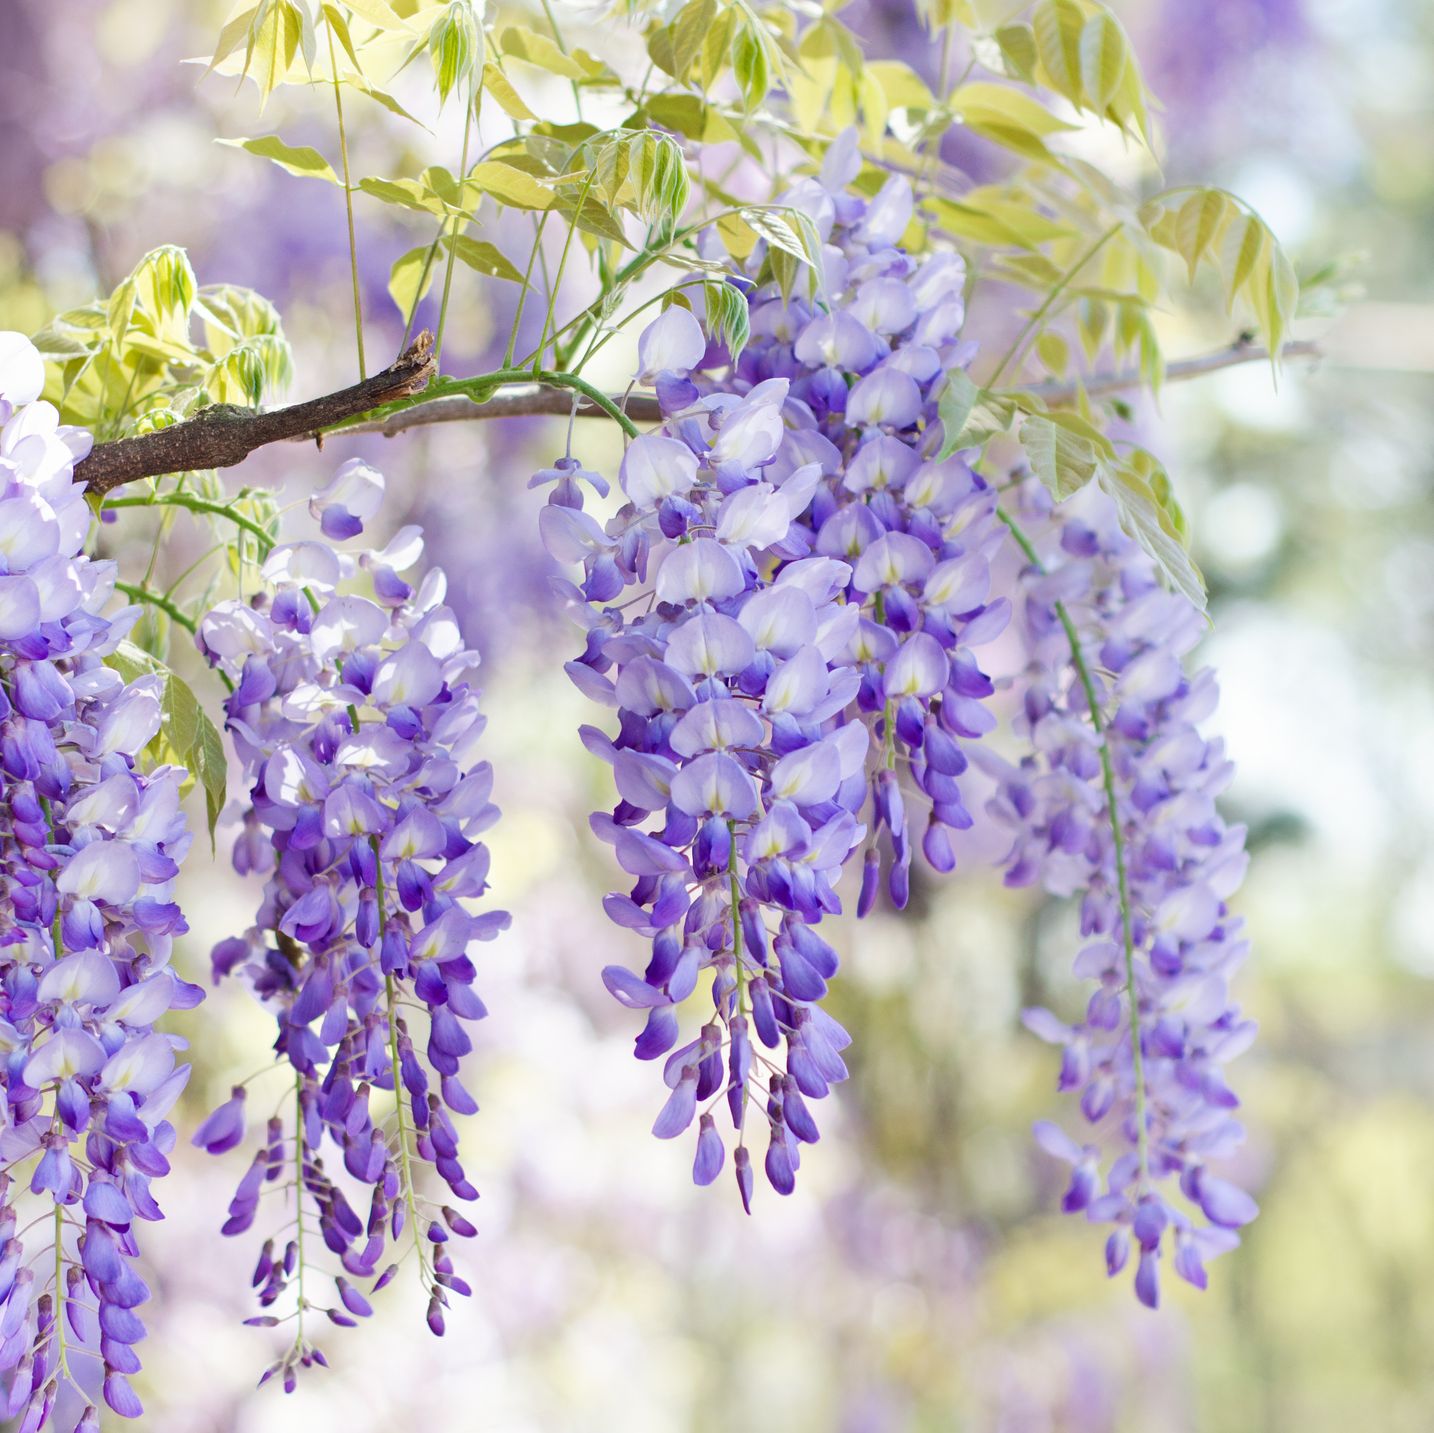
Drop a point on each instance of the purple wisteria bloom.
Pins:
(865, 351)
(355, 718)
(1150, 1080)
(816, 578)
(89, 848)
(738, 776)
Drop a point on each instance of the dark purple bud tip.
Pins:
(458, 1224)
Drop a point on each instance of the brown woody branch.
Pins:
(221, 436)
(1101, 385)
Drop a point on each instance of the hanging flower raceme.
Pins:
(865, 351)
(1146, 1062)
(797, 519)
(358, 728)
(739, 778)
(89, 848)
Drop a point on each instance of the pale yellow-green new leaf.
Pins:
(410, 278)
(1058, 25)
(1103, 55)
(406, 194)
(953, 406)
(186, 737)
(1136, 488)
(164, 287)
(508, 185)
(497, 84)
(688, 33)
(378, 13)
(1240, 253)
(521, 43)
(482, 257)
(279, 29)
(980, 101)
(299, 160)
(1064, 451)
(1018, 51)
(1199, 222)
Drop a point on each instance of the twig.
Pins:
(524, 400)
(1099, 385)
(221, 436)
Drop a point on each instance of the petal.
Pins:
(671, 343)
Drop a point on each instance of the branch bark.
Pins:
(221, 436)
(1101, 385)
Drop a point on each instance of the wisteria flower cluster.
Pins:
(358, 728)
(814, 579)
(1110, 717)
(89, 848)
(729, 687)
(813, 465)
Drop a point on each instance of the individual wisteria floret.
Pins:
(358, 728)
(89, 848)
(1150, 1079)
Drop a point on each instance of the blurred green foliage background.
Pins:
(921, 1278)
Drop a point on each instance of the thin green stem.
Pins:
(299, 1205)
(1117, 833)
(155, 599)
(174, 613)
(1038, 318)
(349, 207)
(198, 505)
(562, 45)
(62, 1358)
(602, 337)
(193, 568)
(735, 887)
(551, 316)
(422, 283)
(453, 236)
(735, 892)
(396, 1068)
(527, 288)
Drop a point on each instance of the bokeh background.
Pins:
(920, 1279)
